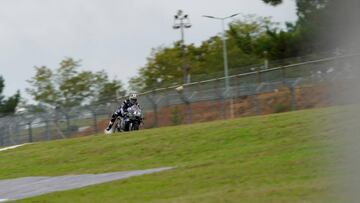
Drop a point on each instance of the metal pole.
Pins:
(257, 104)
(68, 130)
(155, 108)
(47, 130)
(189, 111)
(2, 142)
(183, 52)
(226, 68)
(95, 122)
(293, 98)
(182, 22)
(30, 132)
(182, 32)
(187, 102)
(226, 71)
(17, 133)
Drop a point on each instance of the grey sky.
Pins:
(114, 35)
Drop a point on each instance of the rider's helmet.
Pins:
(133, 98)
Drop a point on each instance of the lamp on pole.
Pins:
(226, 69)
(182, 21)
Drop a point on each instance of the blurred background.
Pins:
(67, 65)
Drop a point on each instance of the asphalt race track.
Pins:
(19, 188)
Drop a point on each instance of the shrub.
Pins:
(279, 108)
(176, 116)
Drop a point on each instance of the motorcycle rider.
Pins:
(122, 110)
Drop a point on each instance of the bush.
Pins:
(176, 116)
(279, 108)
(73, 128)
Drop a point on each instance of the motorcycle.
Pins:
(131, 121)
(133, 118)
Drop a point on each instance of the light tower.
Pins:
(182, 22)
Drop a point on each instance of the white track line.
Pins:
(3, 200)
(11, 147)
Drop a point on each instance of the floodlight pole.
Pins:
(226, 68)
(182, 21)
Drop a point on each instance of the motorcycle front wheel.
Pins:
(135, 125)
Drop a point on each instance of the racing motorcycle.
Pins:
(131, 121)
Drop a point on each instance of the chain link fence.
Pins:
(289, 87)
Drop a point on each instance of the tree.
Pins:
(325, 25)
(69, 87)
(164, 67)
(43, 86)
(247, 39)
(105, 90)
(1, 88)
(322, 26)
(251, 35)
(251, 26)
(8, 106)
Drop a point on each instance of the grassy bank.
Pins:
(275, 158)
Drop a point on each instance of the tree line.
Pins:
(7, 105)
(250, 40)
(67, 86)
(63, 87)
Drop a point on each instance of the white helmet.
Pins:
(133, 98)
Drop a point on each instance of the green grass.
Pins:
(276, 158)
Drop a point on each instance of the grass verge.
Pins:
(275, 158)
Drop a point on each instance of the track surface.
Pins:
(20, 188)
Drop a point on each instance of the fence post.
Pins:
(155, 108)
(293, 98)
(232, 112)
(283, 75)
(95, 121)
(47, 130)
(222, 96)
(292, 88)
(2, 136)
(256, 99)
(258, 76)
(6, 134)
(17, 132)
(223, 106)
(257, 104)
(30, 132)
(67, 118)
(187, 101)
(189, 112)
(56, 122)
(45, 119)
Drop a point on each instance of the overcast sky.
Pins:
(114, 35)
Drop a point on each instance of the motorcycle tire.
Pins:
(135, 126)
(126, 126)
